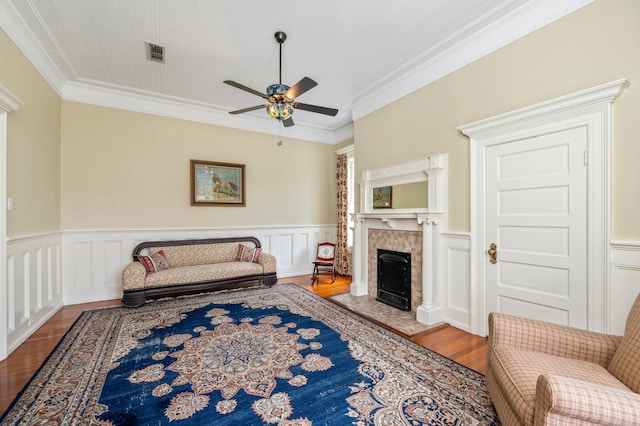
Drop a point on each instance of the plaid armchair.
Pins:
(545, 374)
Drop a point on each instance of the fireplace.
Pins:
(394, 279)
(417, 231)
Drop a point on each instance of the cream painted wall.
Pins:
(123, 170)
(594, 45)
(33, 146)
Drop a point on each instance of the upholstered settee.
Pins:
(178, 267)
(545, 374)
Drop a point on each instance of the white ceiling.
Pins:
(364, 54)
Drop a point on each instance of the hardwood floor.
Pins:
(17, 369)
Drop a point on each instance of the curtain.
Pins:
(343, 257)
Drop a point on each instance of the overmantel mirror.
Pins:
(417, 186)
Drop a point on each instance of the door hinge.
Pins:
(586, 157)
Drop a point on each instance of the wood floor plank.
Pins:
(17, 369)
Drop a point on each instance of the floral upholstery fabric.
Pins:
(133, 276)
(196, 263)
(198, 273)
(199, 254)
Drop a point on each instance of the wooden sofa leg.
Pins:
(133, 299)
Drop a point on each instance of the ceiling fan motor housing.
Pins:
(277, 89)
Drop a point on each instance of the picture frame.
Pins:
(382, 197)
(217, 184)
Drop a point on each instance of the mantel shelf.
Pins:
(393, 220)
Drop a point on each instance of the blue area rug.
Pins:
(278, 355)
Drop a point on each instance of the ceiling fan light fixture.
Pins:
(281, 97)
(280, 111)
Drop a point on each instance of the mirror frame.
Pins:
(432, 169)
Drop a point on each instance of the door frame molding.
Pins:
(590, 108)
(8, 103)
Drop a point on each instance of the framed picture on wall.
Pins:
(217, 184)
(382, 197)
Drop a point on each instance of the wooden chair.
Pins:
(325, 262)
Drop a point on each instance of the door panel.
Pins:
(536, 214)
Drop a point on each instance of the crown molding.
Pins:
(409, 78)
(139, 101)
(520, 22)
(8, 101)
(16, 28)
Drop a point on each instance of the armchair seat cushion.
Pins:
(517, 371)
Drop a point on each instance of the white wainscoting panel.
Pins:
(625, 282)
(34, 284)
(457, 286)
(94, 259)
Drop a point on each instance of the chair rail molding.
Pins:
(590, 108)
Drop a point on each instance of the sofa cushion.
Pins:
(625, 364)
(516, 372)
(248, 253)
(156, 262)
(201, 273)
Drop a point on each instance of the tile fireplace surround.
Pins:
(402, 241)
(415, 231)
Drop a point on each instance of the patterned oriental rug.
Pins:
(278, 355)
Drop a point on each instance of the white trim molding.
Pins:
(625, 282)
(34, 284)
(590, 108)
(468, 45)
(8, 103)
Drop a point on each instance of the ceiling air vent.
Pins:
(155, 52)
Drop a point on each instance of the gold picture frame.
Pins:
(217, 184)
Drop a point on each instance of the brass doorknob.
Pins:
(493, 253)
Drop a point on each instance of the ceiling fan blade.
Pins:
(315, 108)
(288, 122)
(253, 108)
(245, 88)
(300, 87)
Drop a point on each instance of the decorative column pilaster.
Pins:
(429, 312)
(359, 286)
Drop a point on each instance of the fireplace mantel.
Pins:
(431, 222)
(396, 219)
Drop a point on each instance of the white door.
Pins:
(536, 195)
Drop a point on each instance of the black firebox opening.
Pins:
(394, 279)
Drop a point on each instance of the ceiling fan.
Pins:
(282, 98)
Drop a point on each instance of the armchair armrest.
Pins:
(133, 276)
(539, 336)
(562, 400)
